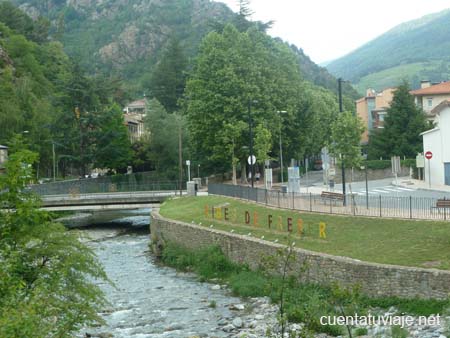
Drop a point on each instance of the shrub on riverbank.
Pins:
(303, 302)
(47, 275)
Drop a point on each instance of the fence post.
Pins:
(266, 196)
(310, 202)
(445, 211)
(380, 204)
(410, 207)
(256, 192)
(293, 200)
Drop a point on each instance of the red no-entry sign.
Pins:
(428, 155)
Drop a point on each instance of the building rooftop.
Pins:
(3, 147)
(137, 104)
(441, 88)
(440, 107)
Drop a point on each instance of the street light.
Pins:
(250, 122)
(281, 148)
(341, 109)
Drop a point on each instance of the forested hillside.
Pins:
(128, 38)
(414, 51)
(46, 98)
(118, 50)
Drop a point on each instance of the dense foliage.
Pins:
(129, 38)
(383, 54)
(46, 272)
(243, 78)
(47, 97)
(402, 127)
(345, 139)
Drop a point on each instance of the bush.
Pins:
(361, 331)
(212, 263)
(377, 164)
(248, 284)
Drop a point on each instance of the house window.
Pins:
(430, 102)
(381, 117)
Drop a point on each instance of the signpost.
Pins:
(420, 164)
(429, 156)
(395, 163)
(188, 163)
(251, 160)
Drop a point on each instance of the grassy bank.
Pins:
(302, 302)
(401, 242)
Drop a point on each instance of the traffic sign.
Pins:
(420, 161)
(428, 155)
(188, 162)
(251, 159)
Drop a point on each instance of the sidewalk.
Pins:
(412, 183)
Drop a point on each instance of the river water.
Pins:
(150, 300)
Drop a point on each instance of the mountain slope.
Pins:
(425, 41)
(127, 38)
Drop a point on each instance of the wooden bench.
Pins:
(442, 204)
(332, 196)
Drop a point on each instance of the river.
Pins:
(151, 300)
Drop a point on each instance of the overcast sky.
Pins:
(328, 29)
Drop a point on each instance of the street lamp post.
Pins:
(341, 109)
(281, 148)
(250, 123)
(54, 161)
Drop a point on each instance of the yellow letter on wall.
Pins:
(300, 227)
(280, 223)
(255, 219)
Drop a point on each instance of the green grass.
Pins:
(388, 241)
(303, 302)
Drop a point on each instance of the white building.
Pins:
(437, 141)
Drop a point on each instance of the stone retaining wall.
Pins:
(374, 279)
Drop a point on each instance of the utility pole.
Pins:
(250, 122)
(180, 159)
(54, 161)
(281, 148)
(341, 109)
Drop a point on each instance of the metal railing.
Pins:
(80, 187)
(374, 206)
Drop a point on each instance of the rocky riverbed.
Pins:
(152, 301)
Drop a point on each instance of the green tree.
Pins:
(164, 129)
(46, 273)
(345, 139)
(168, 79)
(228, 138)
(402, 127)
(263, 143)
(113, 147)
(238, 73)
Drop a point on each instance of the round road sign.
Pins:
(428, 155)
(251, 159)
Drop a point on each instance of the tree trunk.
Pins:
(234, 174)
(244, 174)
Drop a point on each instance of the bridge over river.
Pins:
(97, 195)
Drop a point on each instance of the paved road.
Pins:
(385, 188)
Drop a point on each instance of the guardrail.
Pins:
(80, 187)
(375, 206)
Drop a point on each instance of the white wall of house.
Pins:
(438, 142)
(444, 123)
(435, 101)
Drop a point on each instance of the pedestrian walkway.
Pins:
(390, 189)
(417, 184)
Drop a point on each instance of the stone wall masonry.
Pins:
(374, 279)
